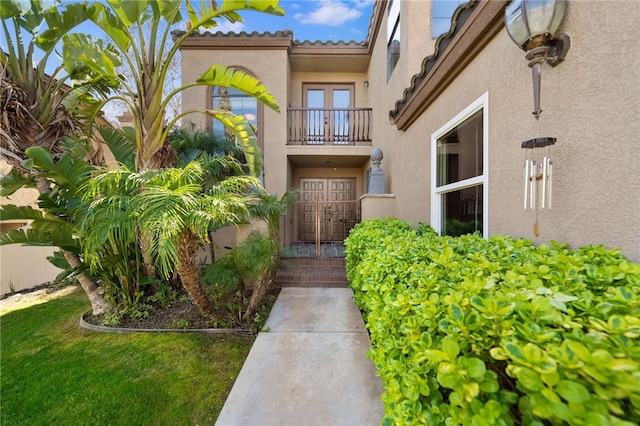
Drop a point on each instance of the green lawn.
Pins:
(53, 372)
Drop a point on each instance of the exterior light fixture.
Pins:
(532, 25)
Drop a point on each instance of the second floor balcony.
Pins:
(329, 126)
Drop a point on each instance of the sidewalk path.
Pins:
(310, 368)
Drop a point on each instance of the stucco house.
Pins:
(450, 114)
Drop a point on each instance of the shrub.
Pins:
(472, 331)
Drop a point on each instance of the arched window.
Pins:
(238, 103)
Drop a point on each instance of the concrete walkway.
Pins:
(310, 368)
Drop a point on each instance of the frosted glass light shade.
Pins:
(532, 22)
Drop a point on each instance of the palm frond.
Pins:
(35, 237)
(13, 181)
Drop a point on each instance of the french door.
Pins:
(328, 112)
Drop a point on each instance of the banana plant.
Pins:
(148, 56)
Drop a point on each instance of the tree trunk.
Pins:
(189, 275)
(144, 243)
(260, 290)
(99, 305)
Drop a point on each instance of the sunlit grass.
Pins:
(53, 372)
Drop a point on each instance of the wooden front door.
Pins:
(328, 208)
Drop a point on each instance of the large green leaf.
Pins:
(113, 27)
(39, 158)
(205, 16)
(169, 10)
(121, 142)
(69, 173)
(12, 8)
(40, 220)
(35, 237)
(96, 55)
(13, 181)
(245, 136)
(61, 21)
(129, 11)
(232, 78)
(11, 212)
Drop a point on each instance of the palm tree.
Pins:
(256, 258)
(270, 209)
(36, 106)
(172, 209)
(259, 257)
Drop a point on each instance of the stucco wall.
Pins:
(591, 104)
(374, 206)
(23, 267)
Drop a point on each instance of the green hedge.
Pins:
(468, 331)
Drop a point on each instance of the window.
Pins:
(459, 172)
(441, 14)
(393, 36)
(238, 103)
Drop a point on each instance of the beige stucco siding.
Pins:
(591, 104)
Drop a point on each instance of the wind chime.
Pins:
(538, 176)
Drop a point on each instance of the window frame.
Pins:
(393, 28)
(437, 192)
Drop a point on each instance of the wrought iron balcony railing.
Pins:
(329, 126)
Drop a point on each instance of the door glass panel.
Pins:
(341, 99)
(315, 116)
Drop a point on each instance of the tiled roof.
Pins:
(460, 16)
(267, 34)
(329, 43)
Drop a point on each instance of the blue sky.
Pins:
(312, 20)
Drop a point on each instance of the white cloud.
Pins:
(226, 26)
(330, 12)
(361, 4)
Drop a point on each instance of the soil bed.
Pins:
(181, 314)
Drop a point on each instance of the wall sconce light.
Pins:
(366, 84)
(532, 24)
